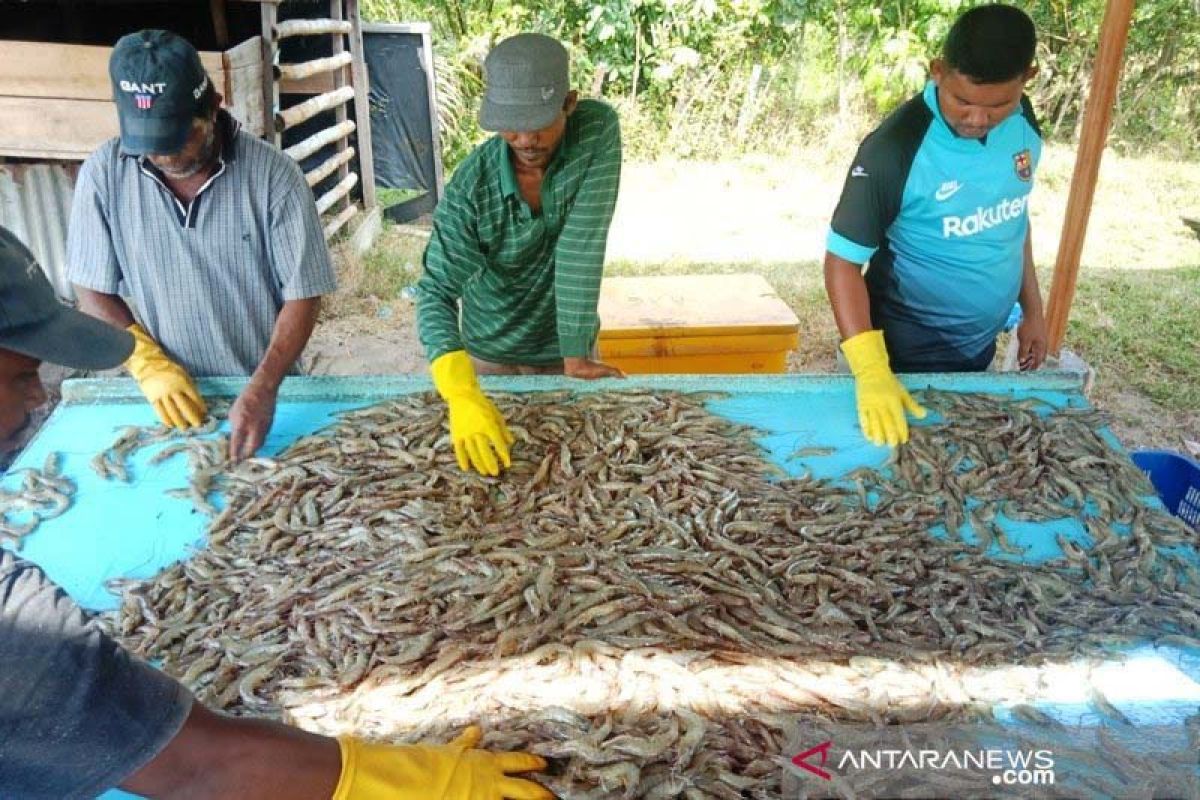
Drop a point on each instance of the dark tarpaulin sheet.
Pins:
(401, 122)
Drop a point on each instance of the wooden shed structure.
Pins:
(291, 71)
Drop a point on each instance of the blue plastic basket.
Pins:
(1176, 478)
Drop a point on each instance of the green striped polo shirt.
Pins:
(528, 283)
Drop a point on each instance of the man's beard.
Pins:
(202, 160)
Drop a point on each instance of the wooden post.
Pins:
(435, 128)
(1097, 117)
(362, 106)
(269, 14)
(220, 21)
(337, 13)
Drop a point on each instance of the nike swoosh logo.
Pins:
(948, 190)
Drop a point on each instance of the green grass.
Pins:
(1143, 329)
(394, 197)
(392, 263)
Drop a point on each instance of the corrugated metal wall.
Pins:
(35, 204)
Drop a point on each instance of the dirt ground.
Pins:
(364, 343)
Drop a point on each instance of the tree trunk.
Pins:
(637, 59)
(841, 61)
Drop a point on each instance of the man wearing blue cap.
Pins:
(79, 714)
(211, 234)
(513, 267)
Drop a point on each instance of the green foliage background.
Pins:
(683, 71)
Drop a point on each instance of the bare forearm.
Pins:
(292, 331)
(214, 756)
(1031, 294)
(108, 307)
(848, 296)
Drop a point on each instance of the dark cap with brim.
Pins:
(159, 86)
(34, 323)
(154, 135)
(527, 84)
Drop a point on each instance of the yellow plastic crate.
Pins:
(698, 324)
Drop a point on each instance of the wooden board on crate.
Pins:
(56, 99)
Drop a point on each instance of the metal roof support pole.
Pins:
(1097, 117)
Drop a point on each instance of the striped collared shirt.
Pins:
(206, 279)
(528, 283)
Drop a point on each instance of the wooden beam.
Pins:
(68, 71)
(435, 127)
(37, 127)
(340, 220)
(268, 15)
(362, 106)
(326, 169)
(326, 201)
(291, 117)
(1097, 117)
(242, 81)
(337, 12)
(309, 27)
(305, 69)
(304, 149)
(220, 21)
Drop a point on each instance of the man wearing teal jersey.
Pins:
(929, 246)
(513, 267)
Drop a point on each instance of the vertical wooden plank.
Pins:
(1097, 117)
(435, 135)
(339, 80)
(270, 87)
(220, 21)
(362, 106)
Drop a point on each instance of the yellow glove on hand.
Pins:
(476, 427)
(455, 771)
(881, 399)
(166, 385)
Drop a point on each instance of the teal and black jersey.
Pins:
(943, 222)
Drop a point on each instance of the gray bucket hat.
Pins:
(527, 83)
(34, 323)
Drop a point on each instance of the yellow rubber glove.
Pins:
(476, 427)
(881, 399)
(166, 385)
(455, 771)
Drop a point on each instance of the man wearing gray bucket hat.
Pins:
(513, 267)
(200, 239)
(79, 714)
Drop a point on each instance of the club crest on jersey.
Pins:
(1023, 163)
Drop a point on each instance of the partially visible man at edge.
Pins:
(79, 715)
(935, 212)
(519, 240)
(212, 233)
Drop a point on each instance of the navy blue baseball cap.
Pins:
(159, 86)
(34, 323)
